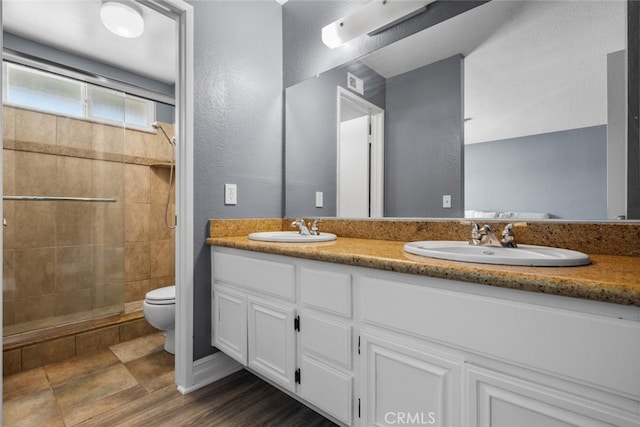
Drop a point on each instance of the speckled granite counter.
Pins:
(610, 278)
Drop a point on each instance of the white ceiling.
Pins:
(74, 26)
(530, 66)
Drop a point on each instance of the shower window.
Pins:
(43, 91)
(48, 92)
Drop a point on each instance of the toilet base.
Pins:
(170, 341)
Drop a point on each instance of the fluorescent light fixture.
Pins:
(122, 17)
(371, 19)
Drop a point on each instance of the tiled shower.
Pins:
(69, 261)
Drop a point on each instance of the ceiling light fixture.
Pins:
(122, 17)
(371, 19)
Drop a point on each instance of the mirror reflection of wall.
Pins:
(533, 97)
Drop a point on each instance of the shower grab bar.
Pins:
(61, 199)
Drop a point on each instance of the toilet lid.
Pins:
(164, 295)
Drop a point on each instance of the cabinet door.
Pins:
(500, 400)
(272, 341)
(329, 389)
(230, 322)
(405, 385)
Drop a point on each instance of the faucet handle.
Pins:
(476, 234)
(508, 238)
(314, 226)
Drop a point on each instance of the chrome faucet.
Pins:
(302, 226)
(484, 236)
(304, 229)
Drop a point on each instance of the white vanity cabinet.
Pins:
(326, 339)
(407, 384)
(254, 315)
(383, 348)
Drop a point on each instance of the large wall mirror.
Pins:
(514, 109)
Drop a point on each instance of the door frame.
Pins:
(376, 179)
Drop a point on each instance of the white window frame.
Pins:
(86, 100)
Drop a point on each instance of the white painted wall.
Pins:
(543, 69)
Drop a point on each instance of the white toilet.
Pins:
(159, 309)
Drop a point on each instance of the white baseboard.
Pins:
(210, 369)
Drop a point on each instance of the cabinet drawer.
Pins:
(327, 388)
(559, 341)
(267, 277)
(327, 291)
(329, 339)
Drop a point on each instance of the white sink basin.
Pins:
(291, 237)
(530, 255)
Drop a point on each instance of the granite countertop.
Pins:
(609, 278)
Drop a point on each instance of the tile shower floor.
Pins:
(132, 384)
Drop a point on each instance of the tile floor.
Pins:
(70, 392)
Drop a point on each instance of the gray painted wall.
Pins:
(311, 116)
(563, 172)
(238, 127)
(424, 141)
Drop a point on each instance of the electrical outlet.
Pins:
(230, 194)
(319, 199)
(446, 201)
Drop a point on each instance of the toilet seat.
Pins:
(161, 296)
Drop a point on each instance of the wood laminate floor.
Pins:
(132, 384)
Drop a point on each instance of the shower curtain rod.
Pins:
(60, 199)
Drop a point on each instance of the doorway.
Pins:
(360, 157)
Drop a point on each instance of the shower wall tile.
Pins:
(73, 301)
(137, 261)
(108, 227)
(162, 255)
(35, 272)
(63, 257)
(135, 144)
(8, 122)
(74, 223)
(48, 352)
(159, 185)
(74, 176)
(135, 329)
(34, 224)
(89, 342)
(136, 184)
(108, 179)
(35, 174)
(136, 291)
(74, 133)
(9, 275)
(107, 296)
(74, 268)
(108, 265)
(157, 227)
(9, 232)
(8, 317)
(9, 172)
(136, 222)
(32, 126)
(11, 362)
(34, 308)
(108, 139)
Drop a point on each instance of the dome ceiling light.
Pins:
(123, 18)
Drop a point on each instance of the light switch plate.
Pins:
(319, 199)
(230, 194)
(446, 201)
